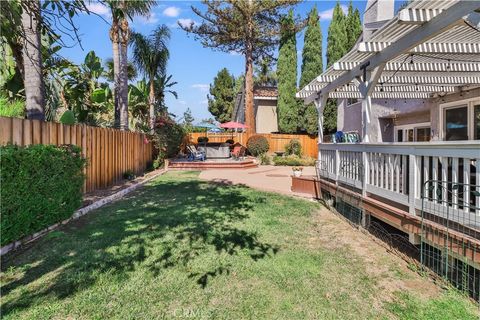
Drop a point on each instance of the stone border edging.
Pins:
(77, 214)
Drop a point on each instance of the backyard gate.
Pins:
(450, 233)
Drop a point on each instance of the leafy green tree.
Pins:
(150, 54)
(89, 99)
(353, 26)
(188, 120)
(312, 66)
(248, 27)
(23, 24)
(287, 106)
(222, 96)
(139, 97)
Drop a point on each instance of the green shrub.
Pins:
(264, 159)
(129, 175)
(68, 118)
(202, 139)
(293, 160)
(13, 109)
(257, 145)
(168, 138)
(293, 147)
(40, 186)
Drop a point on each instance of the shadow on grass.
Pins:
(164, 225)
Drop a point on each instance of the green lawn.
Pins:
(184, 248)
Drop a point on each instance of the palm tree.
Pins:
(163, 85)
(122, 11)
(32, 62)
(109, 73)
(150, 54)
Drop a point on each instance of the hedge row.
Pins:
(40, 186)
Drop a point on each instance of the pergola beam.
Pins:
(416, 67)
(401, 80)
(422, 33)
(409, 15)
(425, 48)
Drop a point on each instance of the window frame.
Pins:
(411, 126)
(469, 104)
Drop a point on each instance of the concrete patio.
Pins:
(266, 178)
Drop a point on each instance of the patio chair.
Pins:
(238, 152)
(194, 154)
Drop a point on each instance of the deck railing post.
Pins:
(412, 182)
(365, 173)
(337, 165)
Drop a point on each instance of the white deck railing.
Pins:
(398, 172)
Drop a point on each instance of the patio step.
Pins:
(208, 165)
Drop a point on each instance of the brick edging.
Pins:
(77, 214)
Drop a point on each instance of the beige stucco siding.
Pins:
(266, 116)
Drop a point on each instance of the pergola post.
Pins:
(366, 84)
(320, 103)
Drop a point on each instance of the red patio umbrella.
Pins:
(233, 125)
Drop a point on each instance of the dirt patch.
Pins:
(389, 272)
(96, 195)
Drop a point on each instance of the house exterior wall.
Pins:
(383, 112)
(397, 112)
(266, 115)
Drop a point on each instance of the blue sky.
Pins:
(191, 65)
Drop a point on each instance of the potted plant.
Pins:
(297, 171)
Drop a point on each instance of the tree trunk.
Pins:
(116, 71)
(32, 60)
(151, 103)
(249, 108)
(123, 98)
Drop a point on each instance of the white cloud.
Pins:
(201, 86)
(234, 53)
(172, 12)
(99, 9)
(328, 14)
(204, 101)
(150, 19)
(182, 102)
(185, 22)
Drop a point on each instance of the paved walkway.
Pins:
(267, 178)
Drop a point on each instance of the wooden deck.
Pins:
(212, 164)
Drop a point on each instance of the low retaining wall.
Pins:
(395, 217)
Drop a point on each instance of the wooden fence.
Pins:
(110, 153)
(276, 141)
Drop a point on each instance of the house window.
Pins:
(413, 132)
(456, 124)
(461, 120)
(423, 134)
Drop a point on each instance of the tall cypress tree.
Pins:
(287, 106)
(337, 36)
(312, 66)
(337, 46)
(353, 26)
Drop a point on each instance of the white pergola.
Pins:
(429, 49)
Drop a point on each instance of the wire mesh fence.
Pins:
(450, 233)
